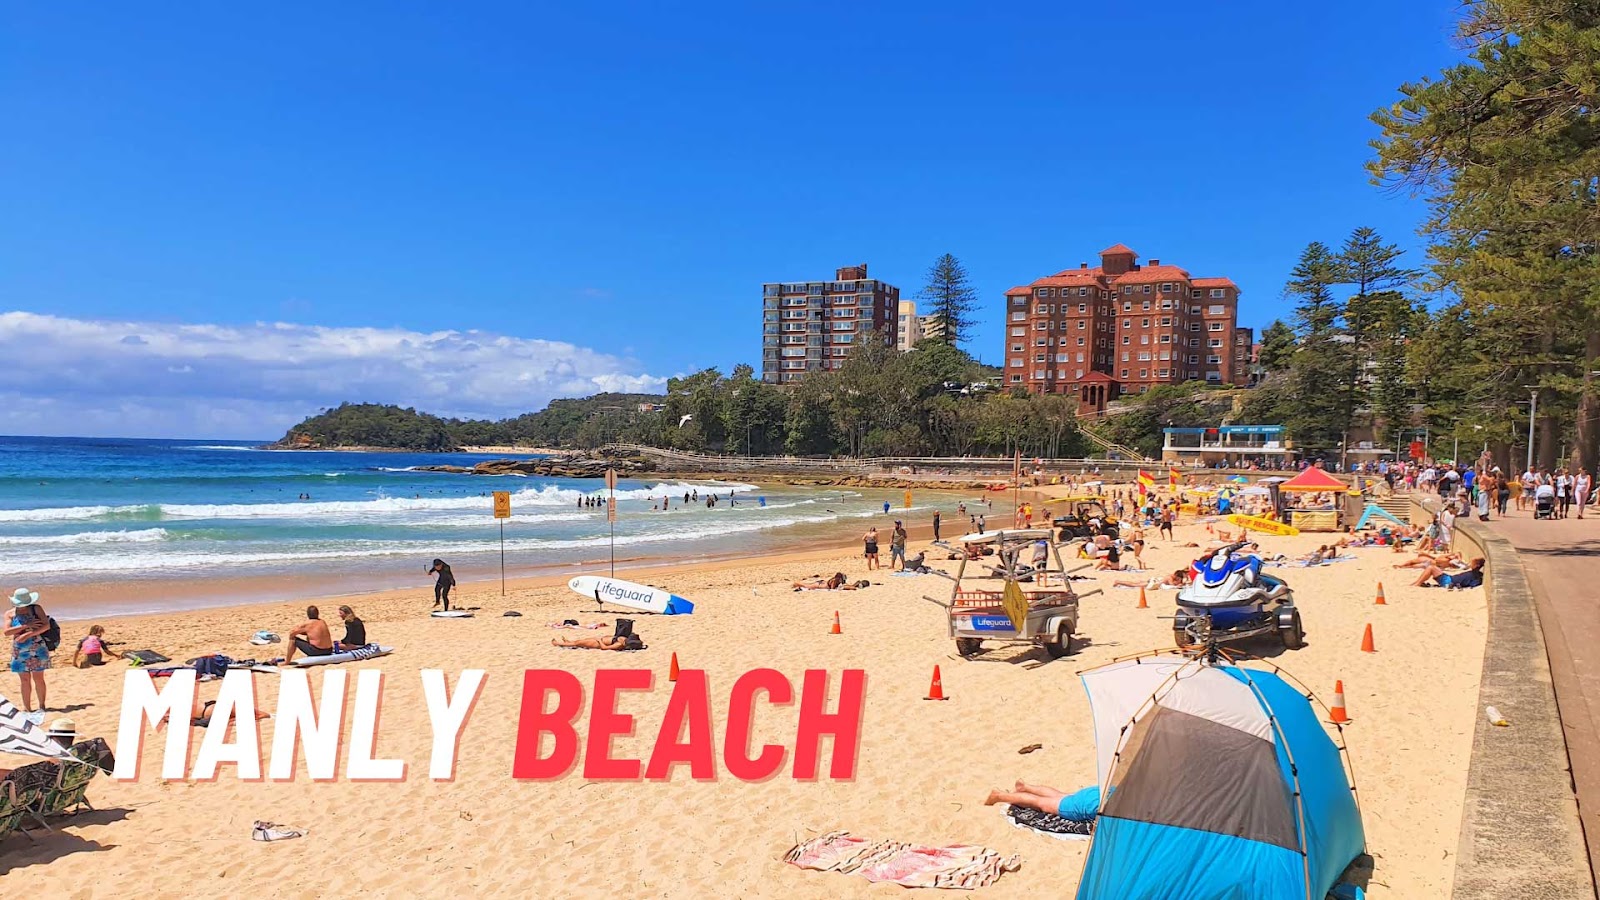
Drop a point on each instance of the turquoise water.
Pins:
(103, 510)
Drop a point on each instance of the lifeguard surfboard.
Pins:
(1265, 526)
(634, 596)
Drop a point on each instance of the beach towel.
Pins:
(959, 866)
(144, 657)
(1049, 824)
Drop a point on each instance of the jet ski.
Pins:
(1228, 598)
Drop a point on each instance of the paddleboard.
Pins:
(347, 656)
(450, 614)
(630, 595)
(1265, 526)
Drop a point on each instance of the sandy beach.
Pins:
(923, 770)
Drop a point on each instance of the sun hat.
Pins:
(23, 597)
(63, 725)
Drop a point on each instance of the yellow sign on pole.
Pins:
(908, 499)
(1015, 605)
(502, 504)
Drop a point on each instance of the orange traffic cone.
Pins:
(936, 690)
(1336, 712)
(835, 629)
(1380, 601)
(1366, 641)
(672, 670)
(1143, 603)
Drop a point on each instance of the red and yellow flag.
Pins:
(1146, 482)
(1173, 475)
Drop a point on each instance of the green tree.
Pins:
(951, 299)
(1505, 148)
(1319, 370)
(1277, 347)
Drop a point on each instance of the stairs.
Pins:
(1105, 444)
(1397, 505)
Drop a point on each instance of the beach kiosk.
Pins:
(1021, 603)
(1315, 481)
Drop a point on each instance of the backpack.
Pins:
(633, 642)
(624, 628)
(52, 635)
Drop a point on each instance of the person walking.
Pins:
(1502, 492)
(936, 522)
(869, 543)
(442, 586)
(897, 546)
(30, 656)
(1582, 487)
(1563, 494)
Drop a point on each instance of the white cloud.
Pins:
(104, 378)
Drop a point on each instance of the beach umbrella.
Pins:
(19, 734)
(1239, 478)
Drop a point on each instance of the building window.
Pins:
(1218, 293)
(1083, 307)
(1144, 338)
(1041, 292)
(1127, 305)
(1127, 289)
(1080, 339)
(1164, 373)
(1166, 339)
(1193, 359)
(1019, 301)
(1124, 373)
(1083, 292)
(1016, 379)
(1081, 325)
(1017, 363)
(1126, 339)
(1216, 326)
(1144, 356)
(1216, 309)
(1147, 289)
(1216, 342)
(1144, 373)
(1166, 287)
(1018, 332)
(1144, 323)
(1213, 376)
(1080, 373)
(1166, 321)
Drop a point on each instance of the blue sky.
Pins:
(475, 207)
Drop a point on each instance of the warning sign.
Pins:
(1015, 605)
(502, 504)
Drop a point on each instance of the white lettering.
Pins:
(236, 702)
(364, 734)
(140, 702)
(449, 716)
(317, 731)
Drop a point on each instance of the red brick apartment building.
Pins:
(810, 326)
(1122, 328)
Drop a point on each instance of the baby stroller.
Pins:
(1544, 506)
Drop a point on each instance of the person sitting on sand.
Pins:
(1044, 799)
(1472, 577)
(1111, 560)
(93, 649)
(355, 631)
(609, 642)
(310, 637)
(818, 583)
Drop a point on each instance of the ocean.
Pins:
(82, 510)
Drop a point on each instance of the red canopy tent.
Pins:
(1313, 479)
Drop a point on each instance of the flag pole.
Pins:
(502, 557)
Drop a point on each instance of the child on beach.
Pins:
(92, 649)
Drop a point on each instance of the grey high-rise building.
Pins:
(811, 326)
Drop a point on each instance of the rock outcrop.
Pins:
(553, 467)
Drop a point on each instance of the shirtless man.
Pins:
(310, 637)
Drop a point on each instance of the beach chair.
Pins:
(28, 785)
(66, 794)
(12, 811)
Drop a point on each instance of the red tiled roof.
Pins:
(1118, 248)
(1152, 273)
(1214, 282)
(1096, 272)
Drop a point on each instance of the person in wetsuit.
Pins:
(441, 587)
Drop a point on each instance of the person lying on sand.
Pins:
(1320, 555)
(1427, 560)
(1110, 561)
(200, 713)
(836, 583)
(1472, 577)
(610, 642)
(1177, 579)
(1030, 796)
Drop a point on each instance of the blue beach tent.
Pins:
(1219, 783)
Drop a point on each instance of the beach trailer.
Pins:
(977, 615)
(1216, 782)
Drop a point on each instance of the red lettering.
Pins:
(691, 701)
(605, 723)
(533, 722)
(844, 725)
(736, 744)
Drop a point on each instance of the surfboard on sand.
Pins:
(451, 614)
(1265, 526)
(347, 656)
(628, 594)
